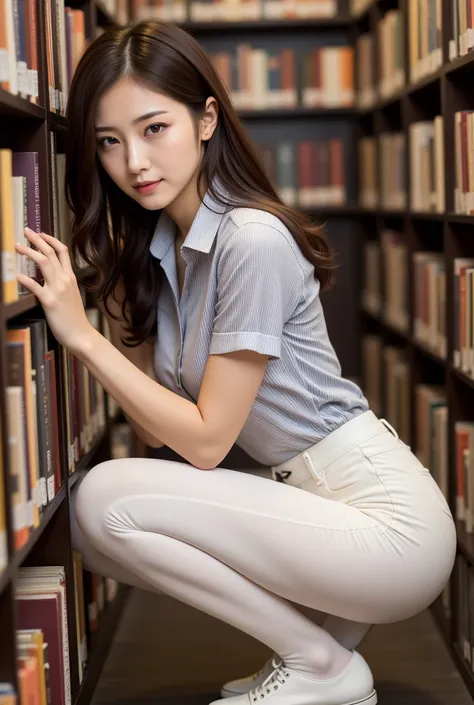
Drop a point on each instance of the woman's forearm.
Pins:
(142, 357)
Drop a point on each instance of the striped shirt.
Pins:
(247, 286)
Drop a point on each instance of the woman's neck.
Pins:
(184, 208)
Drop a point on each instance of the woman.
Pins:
(217, 284)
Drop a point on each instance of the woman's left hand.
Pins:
(59, 296)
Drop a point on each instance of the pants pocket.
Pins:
(433, 488)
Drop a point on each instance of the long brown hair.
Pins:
(111, 232)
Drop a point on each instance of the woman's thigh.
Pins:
(324, 554)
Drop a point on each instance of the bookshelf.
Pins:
(433, 232)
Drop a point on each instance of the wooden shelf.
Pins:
(266, 25)
(462, 219)
(425, 350)
(426, 82)
(297, 112)
(461, 376)
(24, 304)
(56, 121)
(16, 107)
(461, 63)
(426, 215)
(19, 556)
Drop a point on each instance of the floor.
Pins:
(167, 653)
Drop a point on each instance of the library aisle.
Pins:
(167, 653)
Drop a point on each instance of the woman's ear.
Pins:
(208, 122)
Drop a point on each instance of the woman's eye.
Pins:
(103, 142)
(156, 128)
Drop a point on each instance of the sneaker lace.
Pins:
(276, 678)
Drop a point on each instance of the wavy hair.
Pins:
(111, 232)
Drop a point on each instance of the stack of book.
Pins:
(392, 163)
(390, 41)
(372, 297)
(429, 301)
(328, 77)
(258, 78)
(425, 37)
(65, 40)
(306, 173)
(463, 344)
(368, 178)
(427, 165)
(464, 174)
(366, 71)
(397, 390)
(462, 40)
(396, 271)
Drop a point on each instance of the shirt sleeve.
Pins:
(259, 283)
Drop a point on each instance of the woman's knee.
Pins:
(92, 499)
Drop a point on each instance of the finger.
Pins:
(43, 262)
(43, 246)
(61, 249)
(30, 284)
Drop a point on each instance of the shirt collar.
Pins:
(201, 235)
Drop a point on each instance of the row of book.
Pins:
(392, 149)
(43, 657)
(426, 165)
(388, 262)
(380, 63)
(395, 279)
(462, 40)
(464, 168)
(366, 72)
(463, 353)
(390, 43)
(429, 301)
(464, 468)
(427, 187)
(41, 379)
(386, 383)
(258, 78)
(65, 40)
(232, 10)
(20, 206)
(307, 173)
(425, 37)
(120, 442)
(42, 637)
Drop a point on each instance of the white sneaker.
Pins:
(244, 685)
(354, 686)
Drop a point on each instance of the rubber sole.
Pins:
(370, 700)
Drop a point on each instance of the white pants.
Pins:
(366, 536)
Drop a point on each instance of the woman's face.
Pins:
(149, 144)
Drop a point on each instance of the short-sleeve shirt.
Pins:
(247, 286)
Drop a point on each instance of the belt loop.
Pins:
(389, 427)
(313, 472)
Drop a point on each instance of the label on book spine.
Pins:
(50, 483)
(8, 266)
(42, 491)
